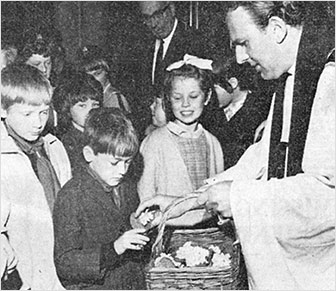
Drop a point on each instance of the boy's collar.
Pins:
(81, 129)
(107, 188)
(26, 146)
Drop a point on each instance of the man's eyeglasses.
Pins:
(157, 15)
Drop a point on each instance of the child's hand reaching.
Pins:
(132, 240)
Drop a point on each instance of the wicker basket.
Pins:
(214, 278)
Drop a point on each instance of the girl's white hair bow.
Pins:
(203, 64)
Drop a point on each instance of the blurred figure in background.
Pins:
(94, 62)
(241, 108)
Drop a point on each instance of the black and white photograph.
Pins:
(156, 145)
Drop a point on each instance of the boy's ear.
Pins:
(233, 82)
(207, 100)
(88, 154)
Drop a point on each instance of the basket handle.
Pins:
(158, 244)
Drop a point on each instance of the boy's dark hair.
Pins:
(109, 131)
(244, 73)
(79, 88)
(21, 83)
(92, 57)
(186, 72)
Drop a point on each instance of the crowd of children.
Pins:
(66, 153)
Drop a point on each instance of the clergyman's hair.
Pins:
(292, 12)
(21, 83)
(109, 131)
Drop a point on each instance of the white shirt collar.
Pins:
(166, 42)
(78, 127)
(234, 107)
(179, 131)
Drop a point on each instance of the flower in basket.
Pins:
(218, 258)
(193, 255)
(166, 261)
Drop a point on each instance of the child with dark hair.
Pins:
(39, 45)
(95, 247)
(93, 61)
(243, 104)
(73, 101)
(179, 156)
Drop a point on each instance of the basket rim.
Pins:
(190, 269)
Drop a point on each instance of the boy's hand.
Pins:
(132, 240)
(163, 201)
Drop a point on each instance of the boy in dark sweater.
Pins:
(95, 247)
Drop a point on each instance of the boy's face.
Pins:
(110, 169)
(80, 111)
(187, 100)
(43, 64)
(28, 121)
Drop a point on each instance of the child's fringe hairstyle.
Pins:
(22, 83)
(79, 88)
(186, 71)
(109, 131)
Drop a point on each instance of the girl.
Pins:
(179, 156)
(73, 101)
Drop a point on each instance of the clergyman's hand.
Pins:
(217, 198)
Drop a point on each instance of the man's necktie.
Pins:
(158, 64)
(277, 153)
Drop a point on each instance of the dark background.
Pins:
(113, 25)
(116, 25)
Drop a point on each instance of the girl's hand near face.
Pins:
(131, 240)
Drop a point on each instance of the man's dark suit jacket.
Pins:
(185, 40)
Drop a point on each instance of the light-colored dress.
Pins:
(165, 171)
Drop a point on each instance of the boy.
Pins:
(33, 168)
(242, 107)
(94, 246)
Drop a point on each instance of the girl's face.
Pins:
(158, 114)
(81, 110)
(43, 64)
(187, 100)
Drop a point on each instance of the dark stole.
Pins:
(312, 56)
